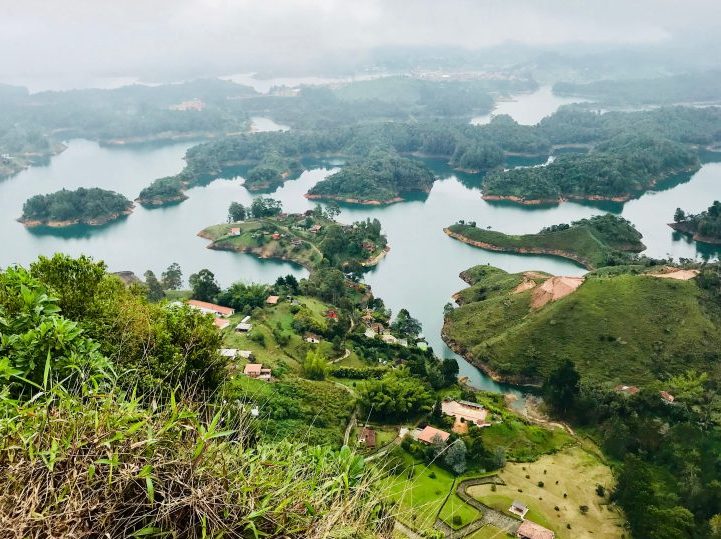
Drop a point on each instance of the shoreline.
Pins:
(158, 202)
(555, 201)
(684, 228)
(99, 221)
(372, 262)
(348, 200)
(216, 246)
(626, 197)
(519, 382)
(520, 250)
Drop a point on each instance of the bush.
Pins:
(600, 490)
(457, 520)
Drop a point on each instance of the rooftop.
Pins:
(531, 530)
(210, 307)
(429, 434)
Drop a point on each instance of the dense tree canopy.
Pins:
(382, 176)
(82, 206)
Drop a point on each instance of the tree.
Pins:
(265, 207)
(679, 216)
(395, 396)
(155, 289)
(76, 282)
(454, 457)
(243, 297)
(204, 285)
(405, 325)
(315, 366)
(562, 387)
(449, 368)
(332, 210)
(172, 278)
(236, 212)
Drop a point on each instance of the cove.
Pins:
(420, 272)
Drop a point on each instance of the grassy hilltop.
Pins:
(593, 242)
(618, 326)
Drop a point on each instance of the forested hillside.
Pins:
(380, 178)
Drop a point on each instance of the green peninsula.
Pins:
(622, 325)
(601, 240)
(306, 239)
(381, 178)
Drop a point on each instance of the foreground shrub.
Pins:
(106, 466)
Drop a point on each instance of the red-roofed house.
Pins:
(221, 323)
(667, 397)
(211, 308)
(531, 530)
(256, 370)
(235, 231)
(272, 300)
(429, 434)
(628, 390)
(367, 437)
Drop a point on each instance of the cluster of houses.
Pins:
(465, 413)
(633, 390)
(192, 104)
(220, 313)
(376, 329)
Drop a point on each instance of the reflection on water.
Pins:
(529, 108)
(420, 272)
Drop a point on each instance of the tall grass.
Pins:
(110, 466)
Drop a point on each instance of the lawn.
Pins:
(421, 496)
(573, 472)
(488, 532)
(457, 507)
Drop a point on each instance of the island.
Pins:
(65, 208)
(381, 178)
(306, 239)
(601, 240)
(616, 170)
(161, 192)
(704, 227)
(618, 325)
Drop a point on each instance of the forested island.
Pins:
(83, 206)
(602, 240)
(704, 227)
(308, 239)
(627, 152)
(380, 178)
(161, 192)
(618, 169)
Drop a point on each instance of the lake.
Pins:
(529, 108)
(420, 272)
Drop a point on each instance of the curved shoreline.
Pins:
(520, 250)
(626, 197)
(348, 200)
(158, 202)
(99, 221)
(683, 228)
(555, 201)
(484, 367)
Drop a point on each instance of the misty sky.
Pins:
(49, 38)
